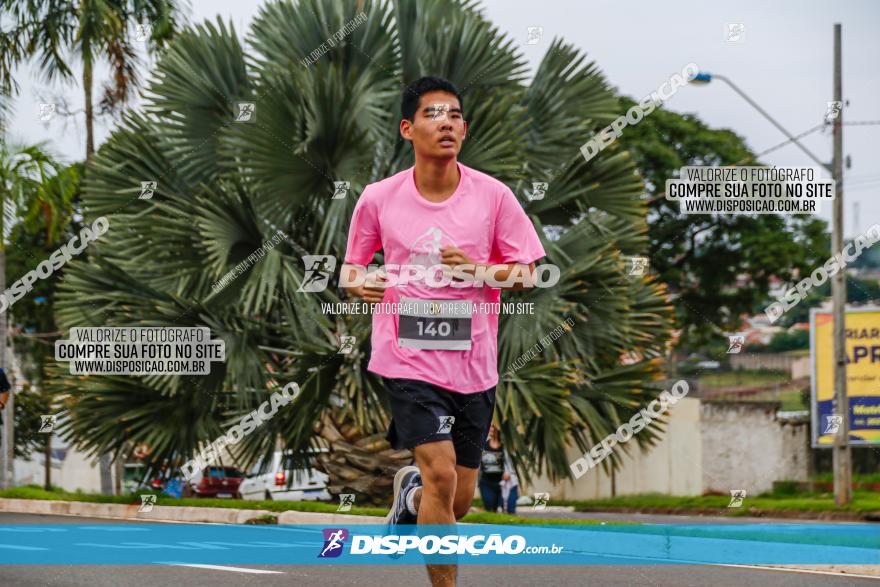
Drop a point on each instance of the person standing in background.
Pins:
(498, 482)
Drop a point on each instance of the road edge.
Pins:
(169, 513)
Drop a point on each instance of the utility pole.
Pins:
(856, 228)
(841, 451)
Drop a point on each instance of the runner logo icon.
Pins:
(736, 498)
(346, 500)
(736, 343)
(832, 424)
(346, 344)
(147, 503)
(639, 264)
(334, 539)
(147, 189)
(541, 500)
(246, 112)
(47, 424)
(446, 423)
(340, 189)
(318, 270)
(539, 188)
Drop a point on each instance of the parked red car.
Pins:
(219, 482)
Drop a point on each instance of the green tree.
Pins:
(36, 193)
(703, 257)
(224, 187)
(58, 31)
(858, 291)
(784, 341)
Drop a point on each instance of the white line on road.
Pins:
(793, 570)
(222, 568)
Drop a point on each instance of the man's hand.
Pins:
(505, 476)
(373, 290)
(453, 257)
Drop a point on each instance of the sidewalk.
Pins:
(165, 513)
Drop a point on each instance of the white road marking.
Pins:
(791, 570)
(703, 563)
(222, 568)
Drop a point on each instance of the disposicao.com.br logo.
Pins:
(334, 540)
(476, 545)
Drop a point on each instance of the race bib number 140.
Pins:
(435, 324)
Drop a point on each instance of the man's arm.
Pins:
(523, 275)
(371, 288)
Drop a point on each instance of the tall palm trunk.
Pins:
(47, 480)
(87, 88)
(104, 462)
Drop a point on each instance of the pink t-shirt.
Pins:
(485, 220)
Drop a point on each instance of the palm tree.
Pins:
(55, 31)
(36, 190)
(225, 187)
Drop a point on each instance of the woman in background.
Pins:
(498, 482)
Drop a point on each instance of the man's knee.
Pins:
(440, 477)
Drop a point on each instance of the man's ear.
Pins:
(406, 129)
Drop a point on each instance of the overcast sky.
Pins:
(783, 62)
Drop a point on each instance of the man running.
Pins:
(438, 355)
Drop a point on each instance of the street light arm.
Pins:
(770, 118)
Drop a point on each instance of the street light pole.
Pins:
(841, 451)
(703, 78)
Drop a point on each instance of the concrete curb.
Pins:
(169, 513)
(292, 517)
(753, 513)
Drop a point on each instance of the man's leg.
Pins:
(465, 483)
(464, 491)
(436, 498)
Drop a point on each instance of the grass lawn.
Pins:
(791, 399)
(863, 501)
(859, 477)
(33, 492)
(743, 378)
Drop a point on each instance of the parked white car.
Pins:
(306, 484)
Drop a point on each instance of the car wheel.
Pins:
(268, 496)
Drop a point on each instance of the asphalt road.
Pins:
(366, 576)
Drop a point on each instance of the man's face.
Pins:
(437, 128)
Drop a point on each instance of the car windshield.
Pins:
(301, 462)
(289, 463)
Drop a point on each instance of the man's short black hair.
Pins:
(409, 102)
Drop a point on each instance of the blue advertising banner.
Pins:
(563, 544)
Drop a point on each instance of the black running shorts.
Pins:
(421, 412)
